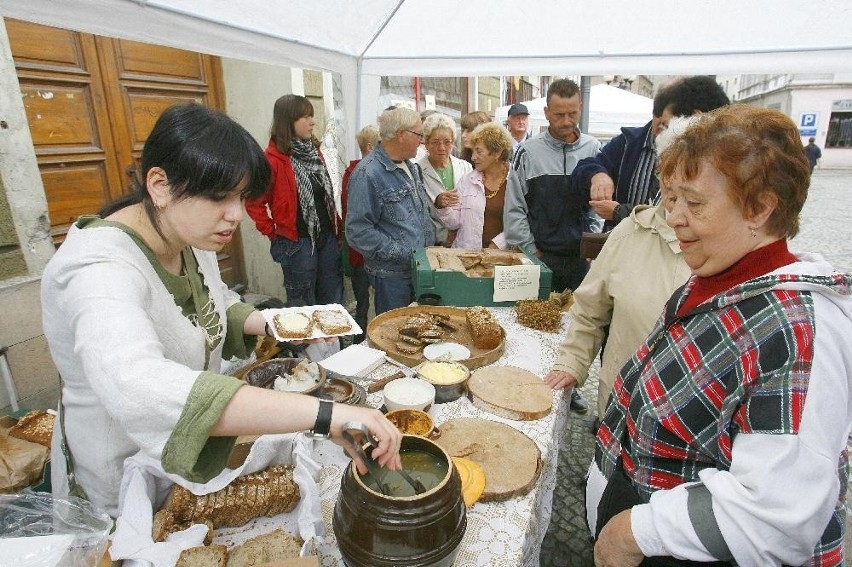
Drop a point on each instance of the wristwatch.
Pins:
(322, 426)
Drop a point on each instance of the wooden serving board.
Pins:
(383, 333)
(510, 459)
(510, 392)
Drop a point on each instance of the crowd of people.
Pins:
(724, 399)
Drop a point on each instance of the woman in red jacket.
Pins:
(297, 213)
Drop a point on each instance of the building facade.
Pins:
(819, 103)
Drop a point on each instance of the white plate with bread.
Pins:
(311, 322)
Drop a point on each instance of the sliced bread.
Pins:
(203, 556)
(273, 546)
(293, 325)
(331, 321)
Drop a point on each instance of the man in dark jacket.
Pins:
(621, 176)
(813, 152)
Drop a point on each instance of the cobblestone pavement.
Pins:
(826, 227)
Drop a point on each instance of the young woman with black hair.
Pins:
(138, 320)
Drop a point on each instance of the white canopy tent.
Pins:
(610, 108)
(365, 39)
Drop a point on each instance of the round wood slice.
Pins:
(383, 333)
(510, 392)
(510, 459)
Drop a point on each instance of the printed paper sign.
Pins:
(512, 283)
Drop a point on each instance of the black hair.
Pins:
(699, 93)
(203, 153)
(663, 98)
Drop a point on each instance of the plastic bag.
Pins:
(38, 530)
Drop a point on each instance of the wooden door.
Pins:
(91, 102)
(63, 94)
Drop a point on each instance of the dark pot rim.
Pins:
(407, 442)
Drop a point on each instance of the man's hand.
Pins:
(604, 209)
(602, 188)
(557, 379)
(447, 199)
(616, 546)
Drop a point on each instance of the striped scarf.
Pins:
(644, 189)
(310, 171)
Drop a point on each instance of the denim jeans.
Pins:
(568, 271)
(311, 276)
(391, 293)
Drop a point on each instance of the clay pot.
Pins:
(263, 374)
(374, 530)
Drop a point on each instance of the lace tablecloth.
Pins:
(507, 533)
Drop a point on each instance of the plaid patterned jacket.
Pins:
(737, 364)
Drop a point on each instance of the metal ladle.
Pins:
(373, 468)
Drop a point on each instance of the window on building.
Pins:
(839, 130)
(450, 93)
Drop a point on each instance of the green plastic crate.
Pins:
(457, 289)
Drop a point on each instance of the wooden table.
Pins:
(505, 533)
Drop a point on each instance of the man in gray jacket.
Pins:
(541, 212)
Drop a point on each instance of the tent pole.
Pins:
(585, 90)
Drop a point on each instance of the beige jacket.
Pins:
(627, 286)
(435, 187)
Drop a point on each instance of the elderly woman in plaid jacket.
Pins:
(724, 440)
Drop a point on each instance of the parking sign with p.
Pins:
(808, 120)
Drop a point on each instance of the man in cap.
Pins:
(814, 153)
(517, 124)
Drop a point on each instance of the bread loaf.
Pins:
(273, 546)
(203, 556)
(484, 330)
(266, 493)
(35, 426)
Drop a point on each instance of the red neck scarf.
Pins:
(754, 264)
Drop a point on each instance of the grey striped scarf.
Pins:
(309, 169)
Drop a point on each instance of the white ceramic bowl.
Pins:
(409, 393)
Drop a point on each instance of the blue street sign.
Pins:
(808, 120)
(807, 132)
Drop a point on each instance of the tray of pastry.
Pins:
(403, 333)
(311, 322)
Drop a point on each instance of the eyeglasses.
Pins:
(418, 134)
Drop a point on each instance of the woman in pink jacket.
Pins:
(477, 215)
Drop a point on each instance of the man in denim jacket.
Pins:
(388, 209)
